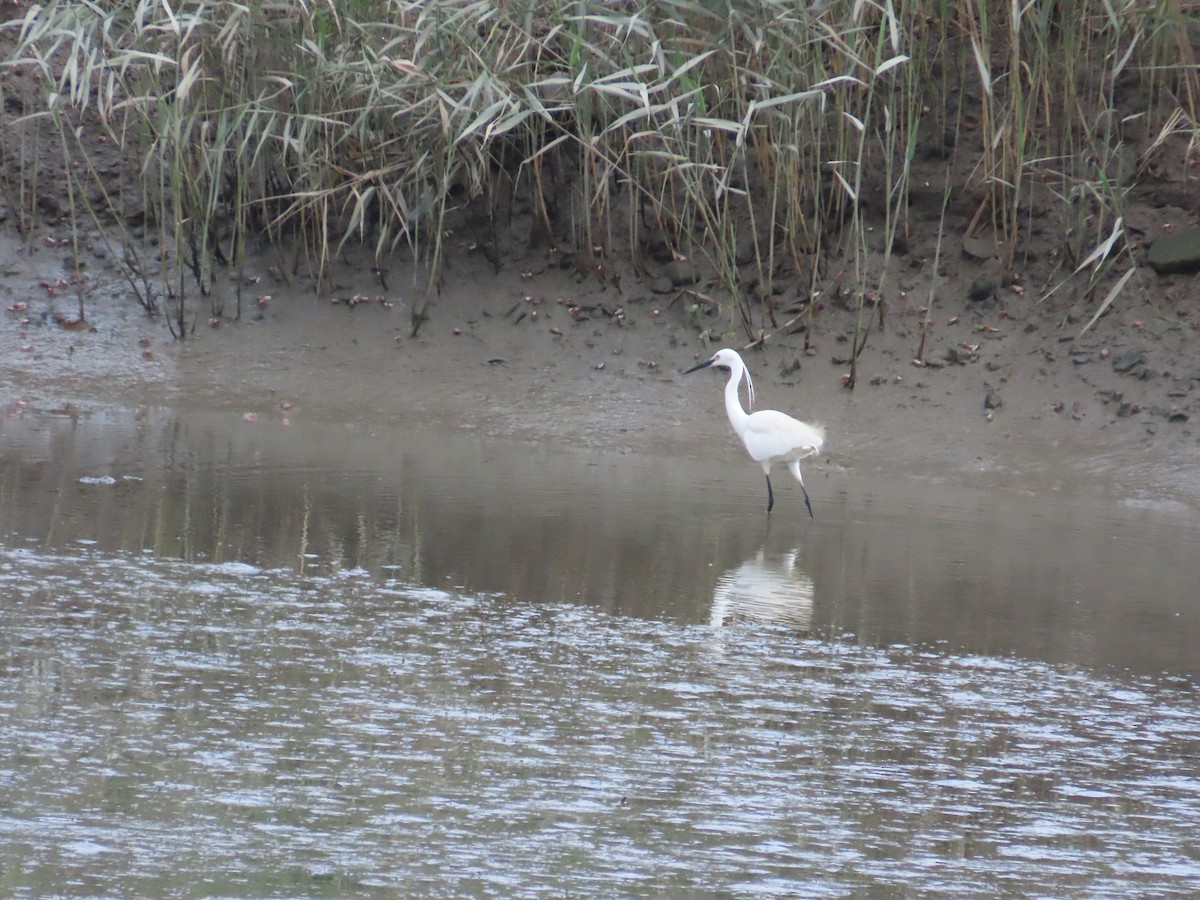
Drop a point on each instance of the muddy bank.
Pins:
(1029, 377)
(1014, 395)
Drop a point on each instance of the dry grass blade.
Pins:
(1108, 300)
(1104, 248)
(981, 64)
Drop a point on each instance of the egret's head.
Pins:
(730, 361)
(722, 359)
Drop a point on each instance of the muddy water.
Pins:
(241, 657)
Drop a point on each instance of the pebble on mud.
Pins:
(1128, 361)
(1176, 253)
(682, 272)
(979, 249)
(981, 289)
(991, 399)
(1127, 408)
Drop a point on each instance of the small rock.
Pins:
(1177, 253)
(1170, 413)
(1129, 360)
(682, 272)
(49, 204)
(663, 285)
(979, 249)
(1127, 408)
(981, 289)
(991, 400)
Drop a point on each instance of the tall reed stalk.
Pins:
(742, 133)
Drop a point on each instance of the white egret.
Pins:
(769, 436)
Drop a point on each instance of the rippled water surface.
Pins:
(238, 658)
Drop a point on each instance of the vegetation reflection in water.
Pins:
(254, 661)
(1057, 577)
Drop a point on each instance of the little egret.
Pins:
(769, 436)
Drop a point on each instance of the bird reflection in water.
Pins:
(764, 589)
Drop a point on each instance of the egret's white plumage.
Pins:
(769, 436)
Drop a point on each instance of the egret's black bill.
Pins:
(704, 365)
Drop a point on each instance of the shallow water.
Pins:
(239, 657)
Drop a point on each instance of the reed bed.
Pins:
(777, 140)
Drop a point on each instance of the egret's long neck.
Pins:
(733, 403)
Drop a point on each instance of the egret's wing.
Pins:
(774, 435)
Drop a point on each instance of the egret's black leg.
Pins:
(770, 496)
